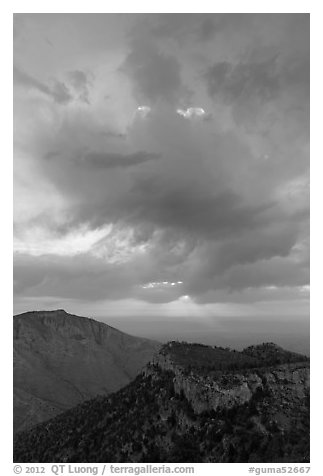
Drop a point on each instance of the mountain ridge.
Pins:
(62, 359)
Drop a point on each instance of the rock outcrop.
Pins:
(191, 403)
(287, 382)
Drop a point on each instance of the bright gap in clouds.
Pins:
(143, 111)
(161, 284)
(191, 112)
(108, 244)
(38, 241)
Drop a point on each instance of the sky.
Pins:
(161, 172)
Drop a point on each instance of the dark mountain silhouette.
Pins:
(192, 403)
(61, 360)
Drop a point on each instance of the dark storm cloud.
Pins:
(244, 80)
(263, 79)
(267, 86)
(177, 191)
(207, 29)
(275, 272)
(81, 82)
(154, 75)
(263, 243)
(114, 135)
(20, 77)
(59, 91)
(105, 160)
(201, 27)
(179, 26)
(252, 260)
(165, 204)
(219, 202)
(77, 87)
(80, 277)
(220, 219)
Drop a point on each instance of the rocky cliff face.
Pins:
(61, 360)
(206, 393)
(192, 403)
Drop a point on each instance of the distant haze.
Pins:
(236, 333)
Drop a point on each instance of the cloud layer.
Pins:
(173, 149)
